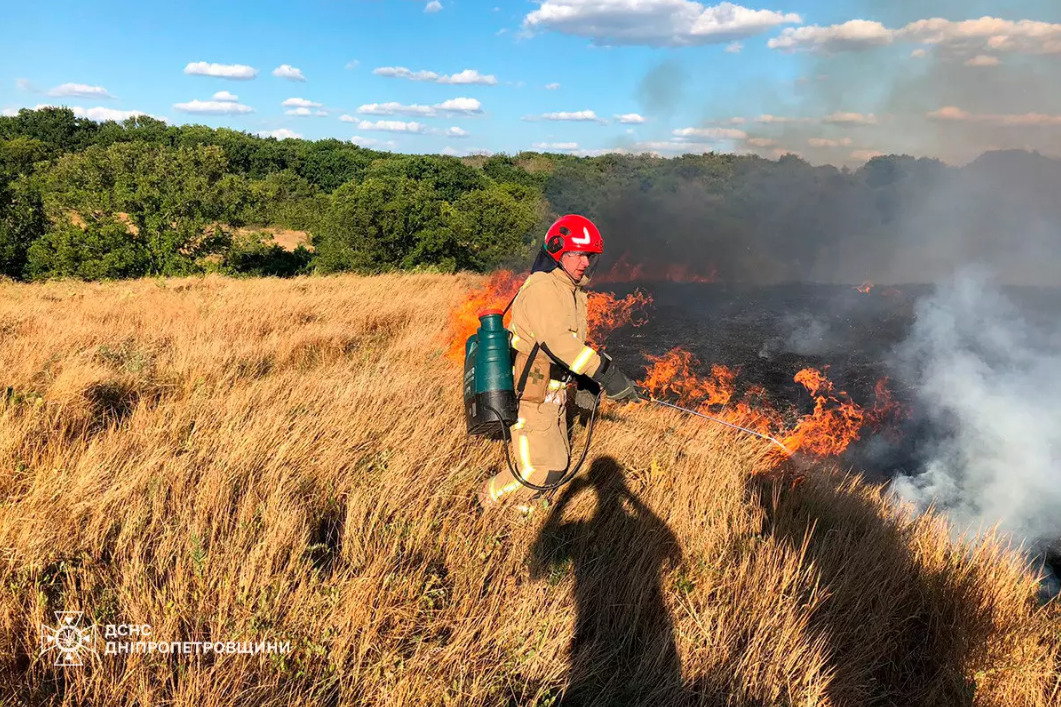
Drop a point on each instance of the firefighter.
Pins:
(549, 327)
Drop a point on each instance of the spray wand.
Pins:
(664, 403)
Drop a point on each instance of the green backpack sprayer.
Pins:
(491, 393)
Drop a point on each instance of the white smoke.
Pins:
(990, 381)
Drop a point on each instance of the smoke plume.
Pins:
(988, 379)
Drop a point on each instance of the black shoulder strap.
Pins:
(510, 303)
(526, 371)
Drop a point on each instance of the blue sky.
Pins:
(833, 82)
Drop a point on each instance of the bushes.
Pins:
(22, 222)
(103, 249)
(396, 222)
(257, 256)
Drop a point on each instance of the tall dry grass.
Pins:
(286, 460)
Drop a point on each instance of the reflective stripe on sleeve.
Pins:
(583, 360)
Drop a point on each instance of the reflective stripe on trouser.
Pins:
(540, 450)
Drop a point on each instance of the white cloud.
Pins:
(467, 76)
(576, 116)
(1030, 120)
(653, 22)
(826, 142)
(768, 119)
(225, 96)
(865, 155)
(679, 146)
(761, 142)
(456, 132)
(303, 111)
(460, 105)
(80, 90)
(950, 113)
(919, 53)
(734, 48)
(299, 103)
(280, 134)
(286, 71)
(630, 118)
(851, 119)
(472, 152)
(353, 64)
(347, 118)
(213, 107)
(968, 36)
(561, 146)
(237, 72)
(854, 34)
(453, 106)
(433, 6)
(1021, 36)
(552, 86)
(710, 133)
(400, 72)
(391, 126)
(982, 60)
(9, 112)
(394, 108)
(372, 142)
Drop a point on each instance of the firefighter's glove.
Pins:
(615, 383)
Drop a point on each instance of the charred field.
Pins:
(769, 333)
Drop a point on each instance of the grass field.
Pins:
(286, 460)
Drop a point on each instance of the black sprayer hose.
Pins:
(568, 472)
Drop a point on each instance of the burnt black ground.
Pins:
(770, 333)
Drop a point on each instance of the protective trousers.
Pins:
(540, 450)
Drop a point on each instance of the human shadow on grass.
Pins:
(623, 650)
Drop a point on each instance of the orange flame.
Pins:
(865, 287)
(623, 271)
(828, 430)
(605, 312)
(672, 374)
(834, 424)
(464, 320)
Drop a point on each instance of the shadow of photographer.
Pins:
(623, 650)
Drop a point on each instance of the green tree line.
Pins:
(92, 200)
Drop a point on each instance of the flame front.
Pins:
(606, 312)
(828, 430)
(496, 294)
(865, 287)
(622, 271)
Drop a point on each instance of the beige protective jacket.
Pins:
(551, 310)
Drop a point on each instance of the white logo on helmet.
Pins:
(582, 241)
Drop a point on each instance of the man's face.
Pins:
(575, 264)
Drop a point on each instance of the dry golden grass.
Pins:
(286, 460)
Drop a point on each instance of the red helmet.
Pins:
(573, 234)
